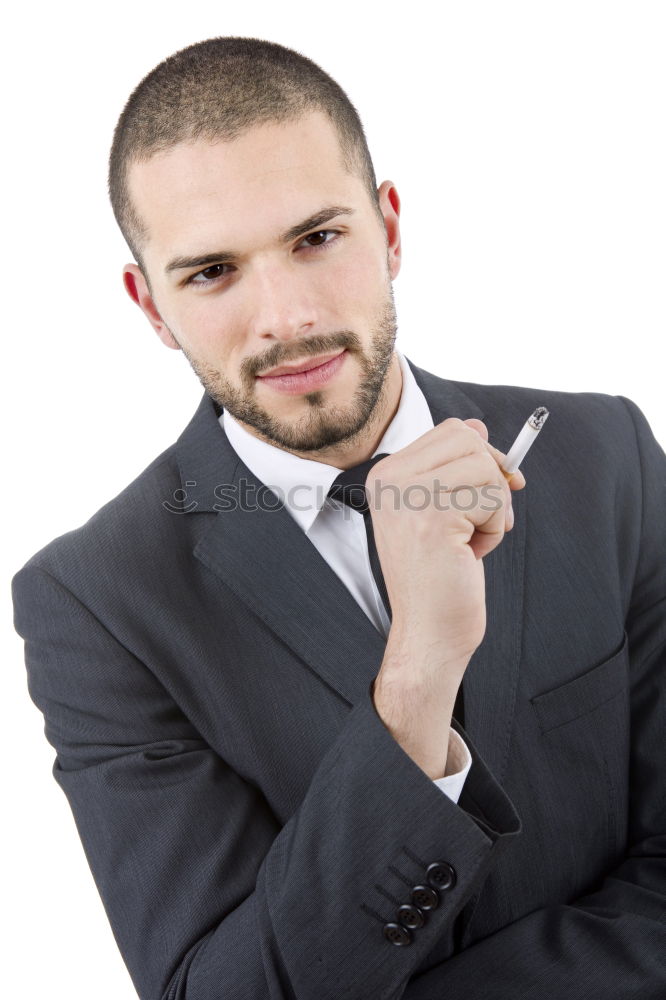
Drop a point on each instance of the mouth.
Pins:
(302, 366)
(309, 379)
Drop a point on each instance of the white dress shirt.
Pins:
(338, 531)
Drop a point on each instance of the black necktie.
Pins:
(349, 487)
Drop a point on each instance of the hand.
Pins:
(438, 507)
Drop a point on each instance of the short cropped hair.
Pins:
(217, 89)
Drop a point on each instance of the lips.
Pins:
(304, 366)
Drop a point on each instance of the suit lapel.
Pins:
(269, 562)
(264, 557)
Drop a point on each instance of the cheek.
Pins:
(354, 281)
(209, 330)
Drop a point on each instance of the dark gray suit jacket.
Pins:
(252, 826)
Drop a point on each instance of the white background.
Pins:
(526, 140)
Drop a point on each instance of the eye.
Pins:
(209, 275)
(319, 238)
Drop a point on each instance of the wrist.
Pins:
(418, 659)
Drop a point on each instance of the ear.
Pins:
(136, 287)
(389, 203)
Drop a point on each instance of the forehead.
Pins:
(197, 193)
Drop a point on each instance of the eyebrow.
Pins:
(226, 256)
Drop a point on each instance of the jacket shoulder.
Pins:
(600, 423)
(128, 523)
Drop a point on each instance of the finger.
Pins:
(477, 425)
(473, 488)
(517, 480)
(447, 441)
(478, 502)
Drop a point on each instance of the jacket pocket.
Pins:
(583, 694)
(585, 726)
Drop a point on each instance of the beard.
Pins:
(324, 425)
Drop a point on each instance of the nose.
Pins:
(281, 302)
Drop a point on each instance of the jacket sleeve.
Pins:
(208, 896)
(611, 943)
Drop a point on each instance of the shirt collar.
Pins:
(301, 484)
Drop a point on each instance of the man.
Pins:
(279, 785)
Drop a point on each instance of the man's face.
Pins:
(241, 295)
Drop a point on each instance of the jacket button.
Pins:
(440, 875)
(410, 916)
(424, 897)
(397, 934)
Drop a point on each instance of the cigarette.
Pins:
(524, 441)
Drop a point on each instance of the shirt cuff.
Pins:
(458, 763)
